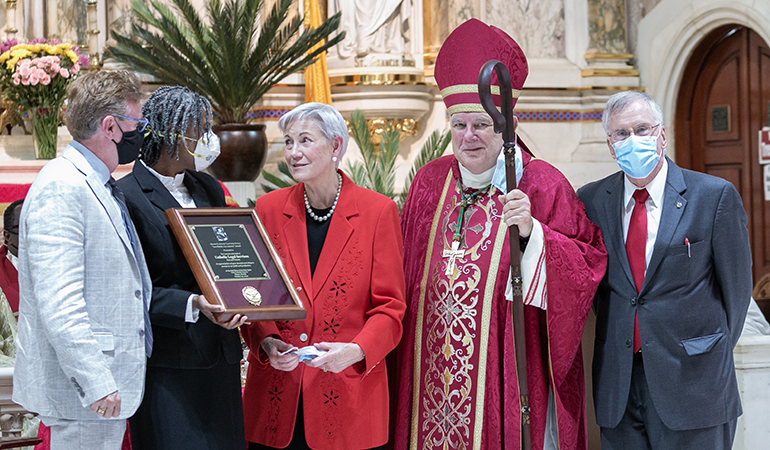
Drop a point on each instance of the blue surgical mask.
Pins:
(637, 155)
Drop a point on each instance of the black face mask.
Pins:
(129, 146)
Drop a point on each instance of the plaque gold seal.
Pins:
(252, 295)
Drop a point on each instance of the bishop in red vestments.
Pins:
(458, 384)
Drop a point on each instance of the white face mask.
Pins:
(206, 151)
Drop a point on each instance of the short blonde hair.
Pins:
(95, 95)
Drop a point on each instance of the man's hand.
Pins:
(209, 310)
(108, 406)
(338, 357)
(274, 347)
(517, 211)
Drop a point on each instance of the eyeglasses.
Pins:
(142, 122)
(177, 135)
(201, 140)
(640, 130)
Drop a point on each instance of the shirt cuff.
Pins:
(532, 270)
(191, 313)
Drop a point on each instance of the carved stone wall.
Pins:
(606, 26)
(537, 25)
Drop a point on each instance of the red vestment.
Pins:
(9, 280)
(458, 385)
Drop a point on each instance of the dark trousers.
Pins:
(642, 429)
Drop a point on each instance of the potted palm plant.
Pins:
(232, 58)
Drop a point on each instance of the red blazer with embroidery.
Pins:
(355, 295)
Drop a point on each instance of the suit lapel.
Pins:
(673, 208)
(340, 231)
(613, 211)
(102, 193)
(197, 192)
(295, 231)
(153, 188)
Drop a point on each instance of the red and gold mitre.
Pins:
(463, 54)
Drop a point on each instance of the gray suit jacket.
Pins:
(691, 307)
(81, 323)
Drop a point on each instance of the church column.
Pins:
(10, 19)
(52, 19)
(607, 69)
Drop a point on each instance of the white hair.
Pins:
(329, 121)
(620, 101)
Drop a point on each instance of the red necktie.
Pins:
(636, 246)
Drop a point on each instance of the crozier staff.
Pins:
(341, 245)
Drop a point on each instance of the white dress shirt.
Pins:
(181, 194)
(654, 204)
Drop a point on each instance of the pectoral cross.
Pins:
(452, 254)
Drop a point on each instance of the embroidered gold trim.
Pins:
(466, 108)
(420, 312)
(474, 88)
(489, 292)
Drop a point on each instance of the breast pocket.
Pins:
(684, 261)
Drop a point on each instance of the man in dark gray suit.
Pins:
(672, 305)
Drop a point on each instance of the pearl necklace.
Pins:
(334, 205)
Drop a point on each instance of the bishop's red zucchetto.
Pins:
(463, 54)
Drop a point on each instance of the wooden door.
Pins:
(722, 105)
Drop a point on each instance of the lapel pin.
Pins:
(678, 204)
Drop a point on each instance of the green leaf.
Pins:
(234, 60)
(433, 148)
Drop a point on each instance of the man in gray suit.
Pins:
(84, 288)
(672, 304)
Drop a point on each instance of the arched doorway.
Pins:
(723, 102)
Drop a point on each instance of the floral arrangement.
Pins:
(36, 74)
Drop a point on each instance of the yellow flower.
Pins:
(20, 53)
(71, 55)
(5, 56)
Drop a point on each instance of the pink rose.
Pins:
(75, 69)
(64, 72)
(40, 73)
(25, 81)
(24, 71)
(16, 81)
(45, 80)
(34, 79)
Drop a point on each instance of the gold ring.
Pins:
(101, 411)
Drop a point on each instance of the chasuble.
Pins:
(458, 383)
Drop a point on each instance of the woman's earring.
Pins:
(334, 158)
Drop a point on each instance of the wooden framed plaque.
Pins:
(235, 263)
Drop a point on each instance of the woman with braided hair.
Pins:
(192, 392)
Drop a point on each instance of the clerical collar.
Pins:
(170, 183)
(474, 181)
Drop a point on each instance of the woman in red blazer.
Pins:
(341, 245)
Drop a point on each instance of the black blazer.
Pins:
(691, 307)
(178, 344)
